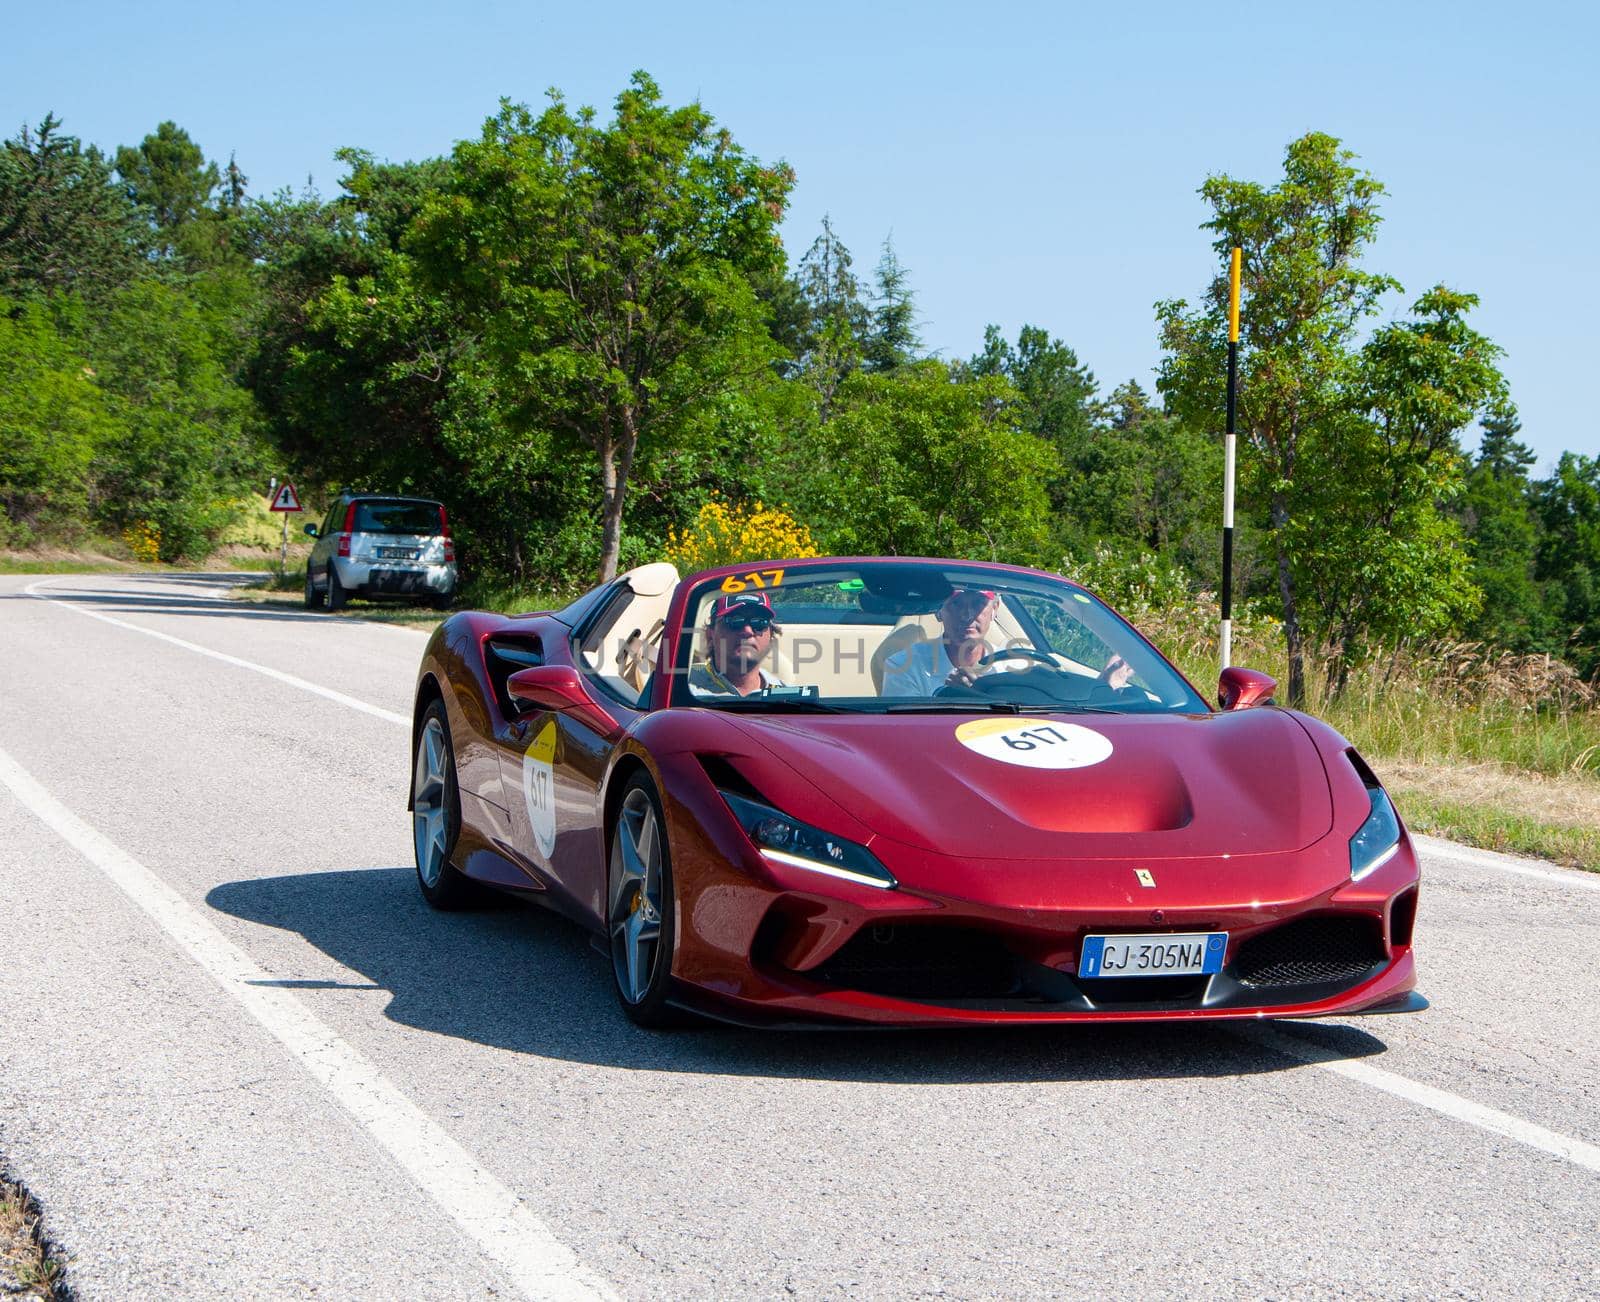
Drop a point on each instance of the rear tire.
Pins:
(338, 594)
(639, 912)
(436, 814)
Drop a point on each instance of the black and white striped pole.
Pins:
(1229, 441)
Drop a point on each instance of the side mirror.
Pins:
(311, 530)
(558, 687)
(1239, 689)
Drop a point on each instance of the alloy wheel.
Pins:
(634, 917)
(431, 812)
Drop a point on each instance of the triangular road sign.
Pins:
(287, 499)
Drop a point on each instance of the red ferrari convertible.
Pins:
(905, 792)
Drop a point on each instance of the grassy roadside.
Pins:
(1484, 747)
(31, 1266)
(1496, 808)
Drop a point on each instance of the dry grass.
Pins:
(1482, 746)
(30, 1266)
(1555, 817)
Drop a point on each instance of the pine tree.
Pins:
(892, 338)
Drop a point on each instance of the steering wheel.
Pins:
(1020, 653)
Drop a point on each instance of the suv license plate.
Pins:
(396, 553)
(1192, 954)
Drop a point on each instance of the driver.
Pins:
(738, 640)
(953, 660)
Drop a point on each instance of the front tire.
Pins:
(338, 594)
(314, 599)
(639, 913)
(436, 814)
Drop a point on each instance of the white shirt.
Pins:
(704, 680)
(923, 669)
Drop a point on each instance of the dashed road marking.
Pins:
(488, 1212)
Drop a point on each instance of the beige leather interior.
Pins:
(623, 648)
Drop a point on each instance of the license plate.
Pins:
(1193, 954)
(396, 553)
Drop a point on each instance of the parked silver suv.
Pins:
(370, 545)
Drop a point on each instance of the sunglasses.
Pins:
(758, 621)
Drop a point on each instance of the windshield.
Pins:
(900, 637)
(397, 517)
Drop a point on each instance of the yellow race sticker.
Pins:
(1035, 743)
(539, 788)
(754, 579)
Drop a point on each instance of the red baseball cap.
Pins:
(743, 603)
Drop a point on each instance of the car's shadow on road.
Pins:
(523, 979)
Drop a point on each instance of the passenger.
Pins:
(739, 638)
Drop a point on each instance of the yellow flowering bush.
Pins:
(725, 533)
(143, 540)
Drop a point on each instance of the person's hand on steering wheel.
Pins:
(1117, 674)
(970, 663)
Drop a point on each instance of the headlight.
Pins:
(789, 841)
(1375, 843)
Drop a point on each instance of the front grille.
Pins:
(923, 963)
(1311, 951)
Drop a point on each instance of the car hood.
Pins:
(1140, 786)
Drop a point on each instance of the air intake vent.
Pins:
(1311, 951)
(923, 963)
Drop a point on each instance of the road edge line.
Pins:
(1475, 857)
(303, 684)
(490, 1214)
(1577, 1151)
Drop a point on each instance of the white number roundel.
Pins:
(1035, 744)
(539, 788)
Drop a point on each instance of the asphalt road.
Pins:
(240, 1058)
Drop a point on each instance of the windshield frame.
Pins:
(1011, 580)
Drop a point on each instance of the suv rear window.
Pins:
(397, 517)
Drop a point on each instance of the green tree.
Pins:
(1378, 559)
(185, 438)
(1496, 512)
(1568, 506)
(891, 340)
(1058, 391)
(837, 317)
(609, 270)
(1307, 298)
(65, 226)
(923, 465)
(168, 177)
(53, 417)
(1143, 477)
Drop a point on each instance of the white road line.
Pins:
(489, 1213)
(1447, 1104)
(304, 685)
(1504, 863)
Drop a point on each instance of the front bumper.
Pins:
(762, 942)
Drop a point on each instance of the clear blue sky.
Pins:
(1034, 162)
